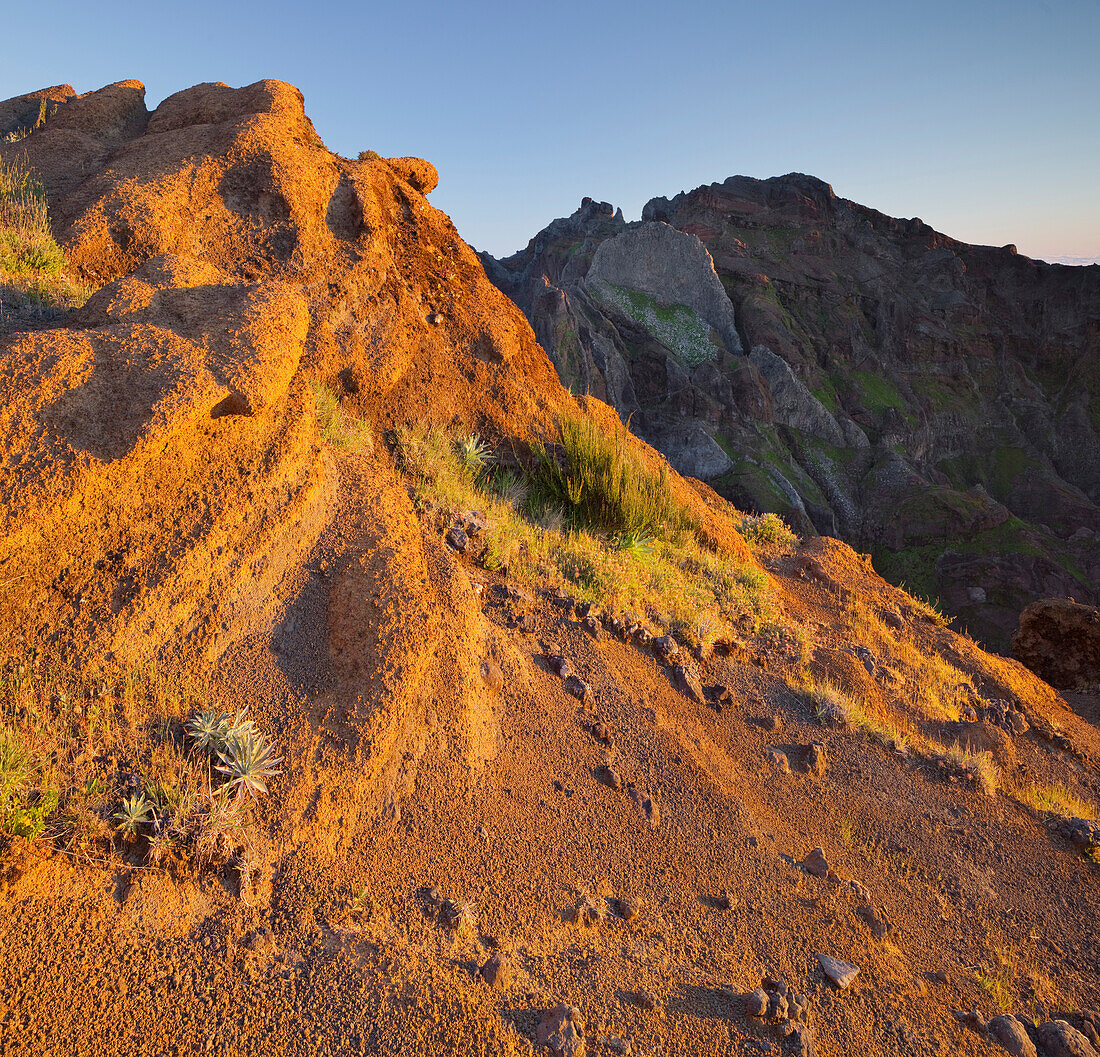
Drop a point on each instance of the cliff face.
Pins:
(933, 402)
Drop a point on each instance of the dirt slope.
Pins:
(166, 492)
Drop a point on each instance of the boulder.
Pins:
(1059, 640)
(1060, 1039)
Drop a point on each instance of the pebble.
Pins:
(610, 777)
(779, 761)
(457, 539)
(815, 759)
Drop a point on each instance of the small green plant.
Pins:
(637, 543)
(210, 729)
(767, 530)
(369, 155)
(136, 810)
(248, 760)
(474, 454)
(336, 425)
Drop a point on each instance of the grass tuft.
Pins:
(602, 482)
(336, 425)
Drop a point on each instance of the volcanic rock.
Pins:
(1059, 640)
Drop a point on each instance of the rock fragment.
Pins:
(497, 971)
(841, 973)
(815, 759)
(686, 681)
(578, 688)
(779, 761)
(1010, 1033)
(457, 539)
(815, 863)
(561, 1031)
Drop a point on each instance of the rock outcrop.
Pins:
(162, 467)
(1059, 640)
(926, 400)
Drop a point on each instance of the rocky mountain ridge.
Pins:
(932, 402)
(271, 522)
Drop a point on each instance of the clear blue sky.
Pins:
(983, 118)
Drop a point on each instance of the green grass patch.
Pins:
(337, 426)
(677, 327)
(638, 554)
(33, 267)
(878, 393)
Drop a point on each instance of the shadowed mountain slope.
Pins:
(932, 402)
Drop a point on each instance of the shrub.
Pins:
(767, 530)
(603, 483)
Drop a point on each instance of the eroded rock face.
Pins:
(923, 399)
(162, 468)
(1059, 640)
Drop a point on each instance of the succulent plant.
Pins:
(248, 759)
(135, 810)
(474, 454)
(212, 730)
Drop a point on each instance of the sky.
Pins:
(982, 118)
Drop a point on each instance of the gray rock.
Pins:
(667, 266)
(794, 404)
(1082, 831)
(457, 539)
(804, 1045)
(873, 920)
(841, 973)
(815, 759)
(1010, 1033)
(686, 681)
(667, 648)
(1061, 1039)
(497, 971)
(755, 1003)
(578, 688)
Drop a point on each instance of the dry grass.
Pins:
(1052, 798)
(34, 279)
(668, 581)
(834, 706)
